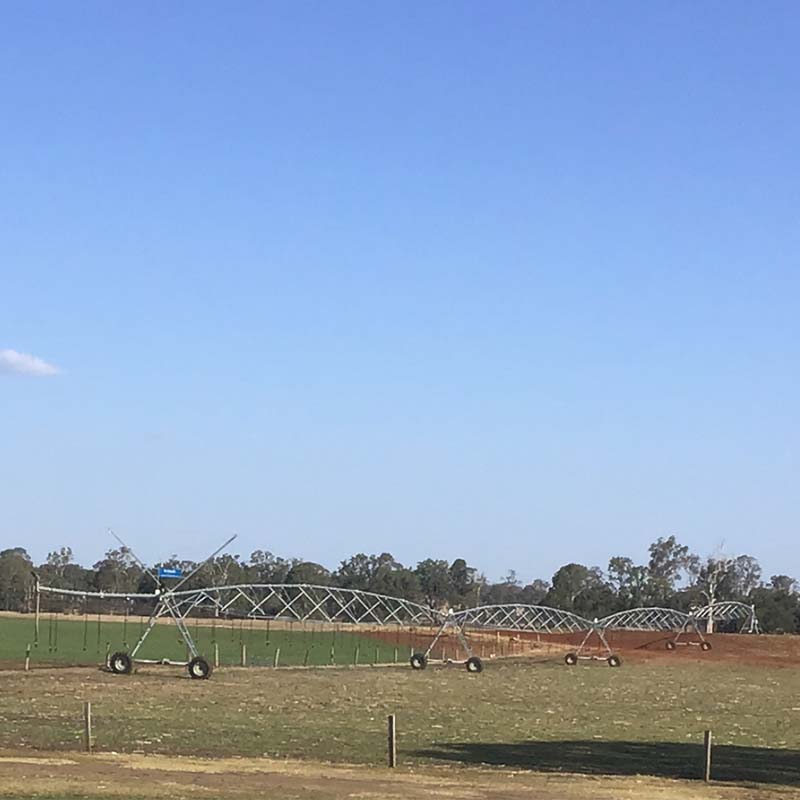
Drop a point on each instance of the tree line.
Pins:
(672, 577)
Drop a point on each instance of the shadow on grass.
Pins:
(659, 759)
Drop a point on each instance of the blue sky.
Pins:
(515, 282)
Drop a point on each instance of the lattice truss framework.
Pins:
(303, 602)
(543, 619)
(296, 602)
(731, 611)
(646, 619)
(516, 617)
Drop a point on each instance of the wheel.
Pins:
(199, 668)
(705, 646)
(571, 659)
(121, 664)
(474, 664)
(670, 645)
(614, 661)
(418, 661)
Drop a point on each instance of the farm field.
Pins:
(85, 641)
(522, 720)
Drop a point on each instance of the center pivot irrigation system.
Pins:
(306, 603)
(547, 620)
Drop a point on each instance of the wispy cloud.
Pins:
(25, 364)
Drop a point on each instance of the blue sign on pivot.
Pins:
(170, 572)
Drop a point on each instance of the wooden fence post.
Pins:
(707, 741)
(87, 726)
(391, 721)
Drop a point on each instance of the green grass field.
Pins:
(85, 641)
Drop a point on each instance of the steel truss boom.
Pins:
(731, 611)
(646, 619)
(302, 602)
(518, 617)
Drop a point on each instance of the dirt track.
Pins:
(130, 776)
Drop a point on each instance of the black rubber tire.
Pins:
(670, 645)
(120, 664)
(571, 659)
(199, 669)
(474, 664)
(614, 661)
(418, 661)
(706, 646)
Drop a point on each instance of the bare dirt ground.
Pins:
(23, 775)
